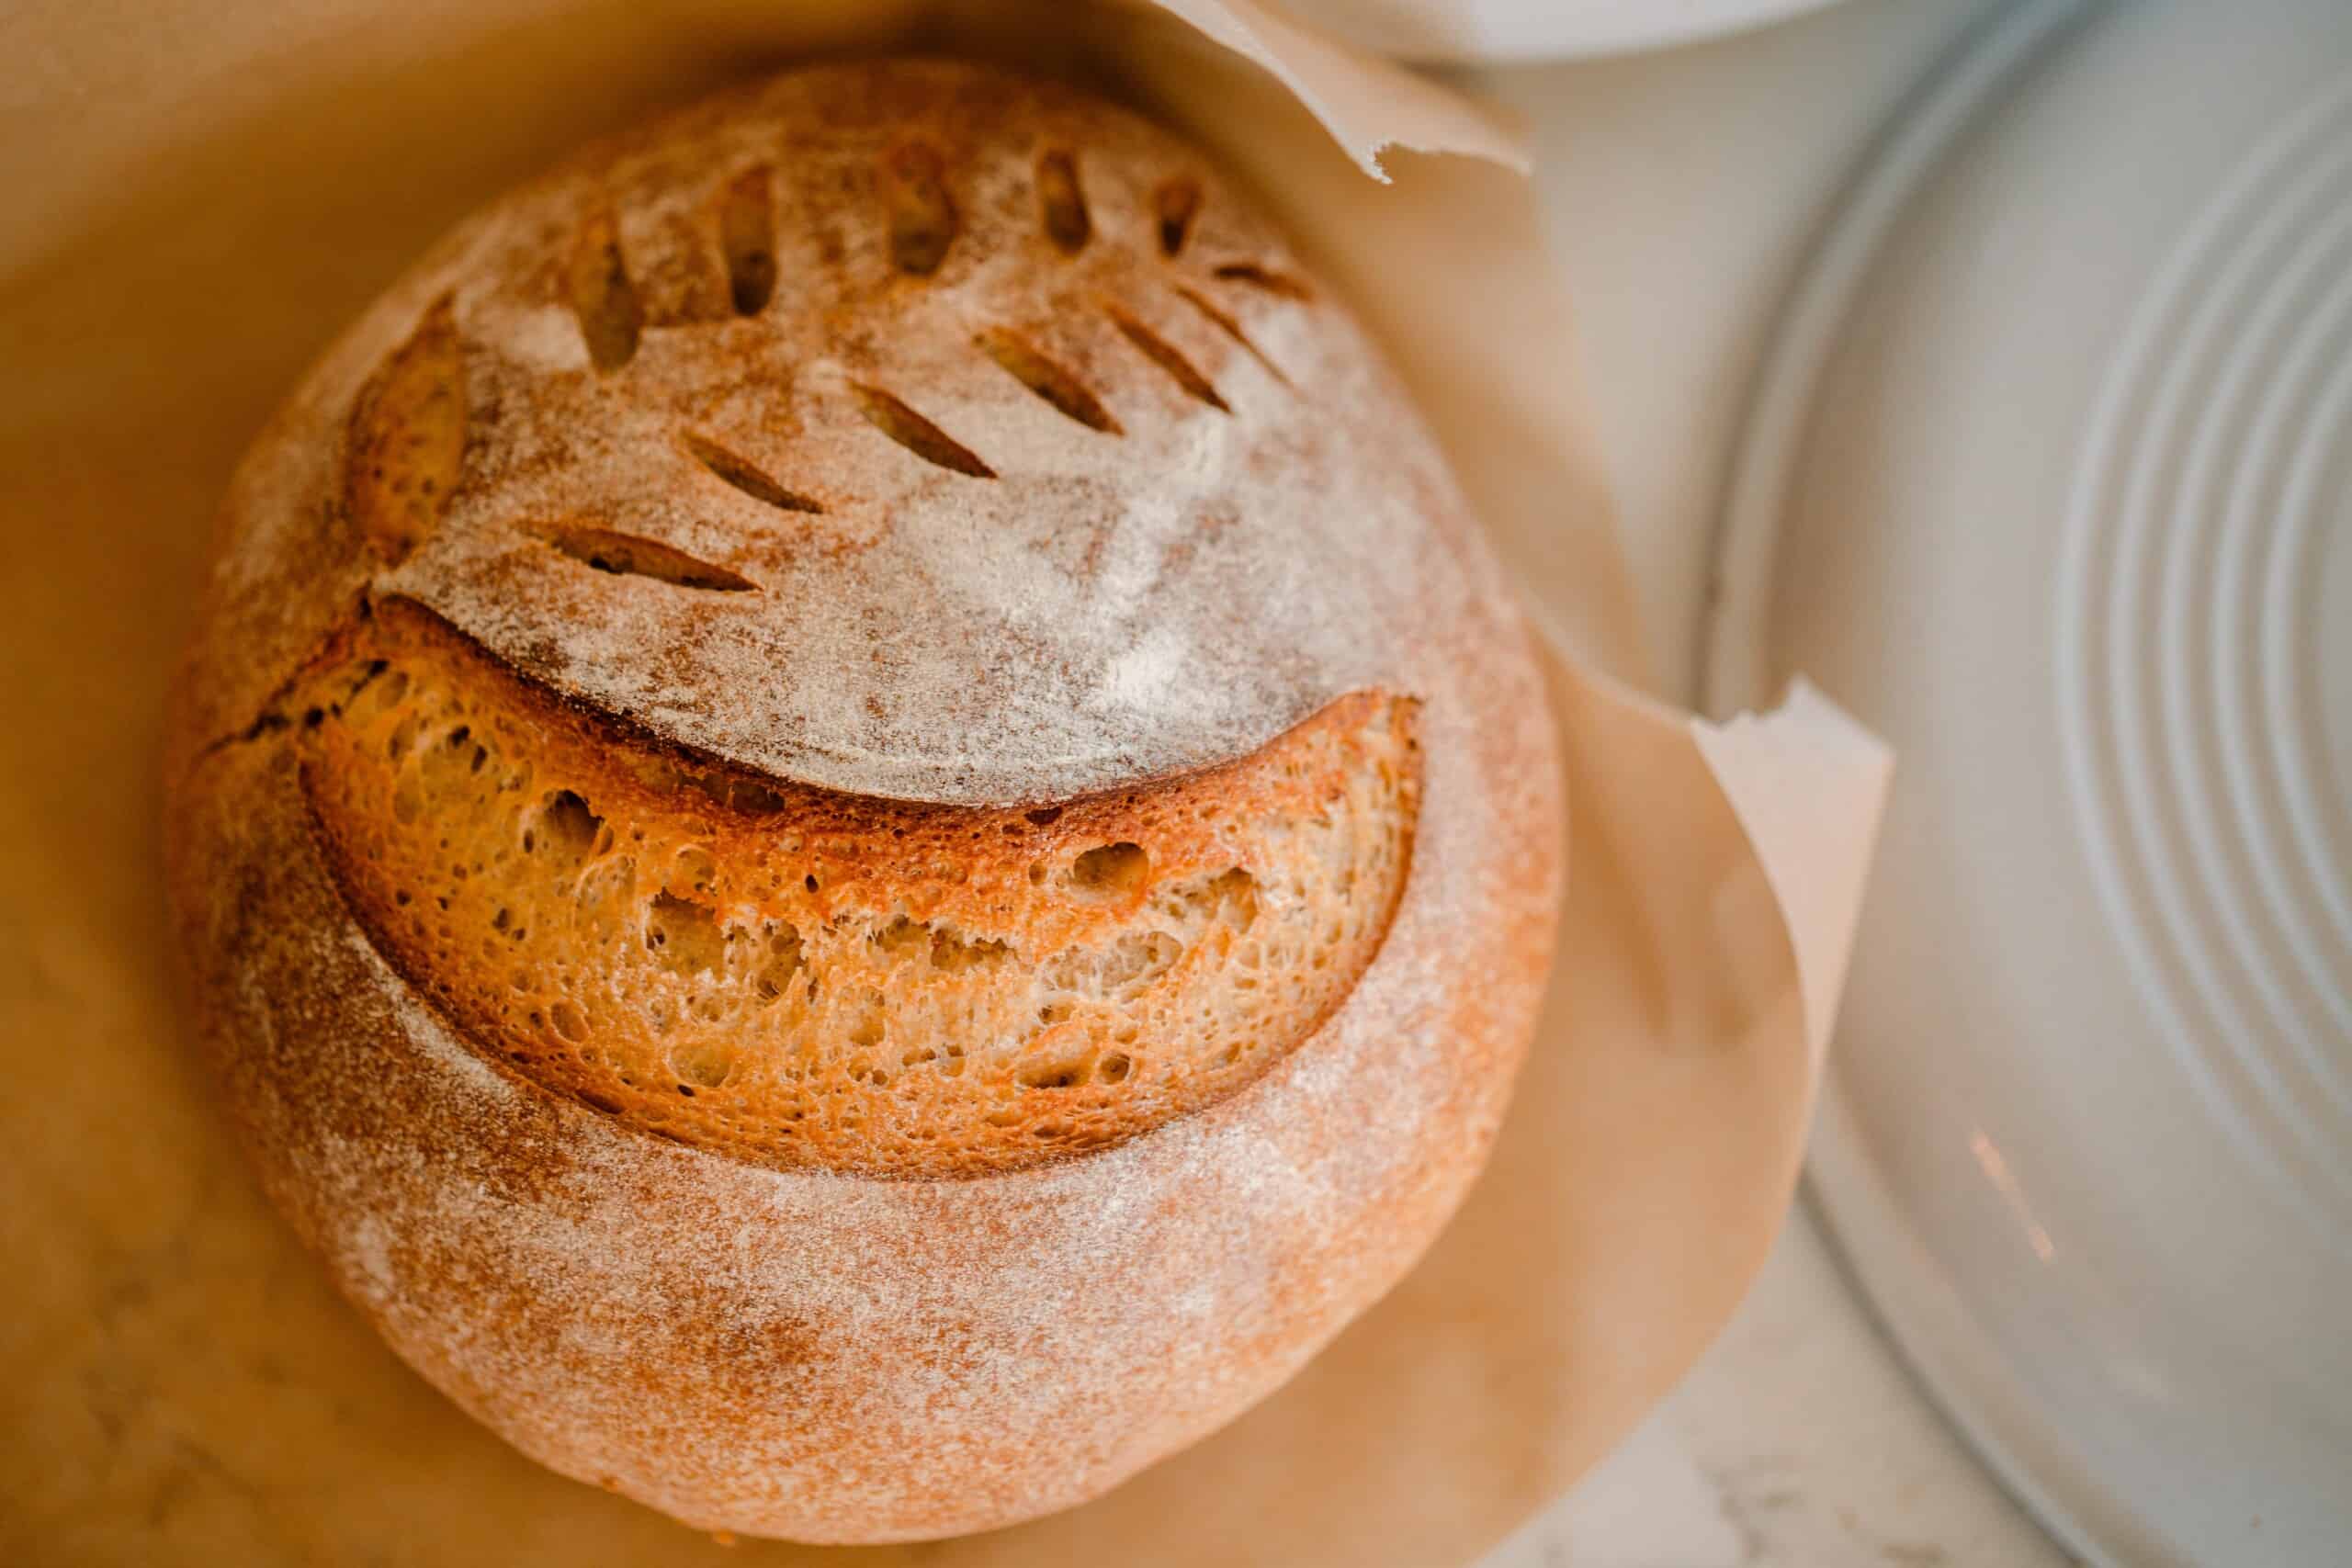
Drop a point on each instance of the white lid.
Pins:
(2058, 497)
(1494, 32)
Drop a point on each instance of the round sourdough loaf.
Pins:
(862, 833)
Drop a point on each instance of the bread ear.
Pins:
(806, 980)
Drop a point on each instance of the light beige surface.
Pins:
(187, 1388)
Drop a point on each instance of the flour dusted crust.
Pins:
(895, 443)
(1097, 611)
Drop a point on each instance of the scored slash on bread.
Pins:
(408, 431)
(862, 833)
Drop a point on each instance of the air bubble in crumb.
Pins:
(567, 826)
(703, 1063)
(1110, 871)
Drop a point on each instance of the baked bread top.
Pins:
(912, 430)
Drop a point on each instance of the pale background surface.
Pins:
(1681, 188)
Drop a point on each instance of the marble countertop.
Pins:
(1681, 188)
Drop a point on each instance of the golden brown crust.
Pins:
(794, 1351)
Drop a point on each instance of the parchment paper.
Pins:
(199, 196)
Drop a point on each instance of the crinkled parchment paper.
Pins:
(199, 196)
